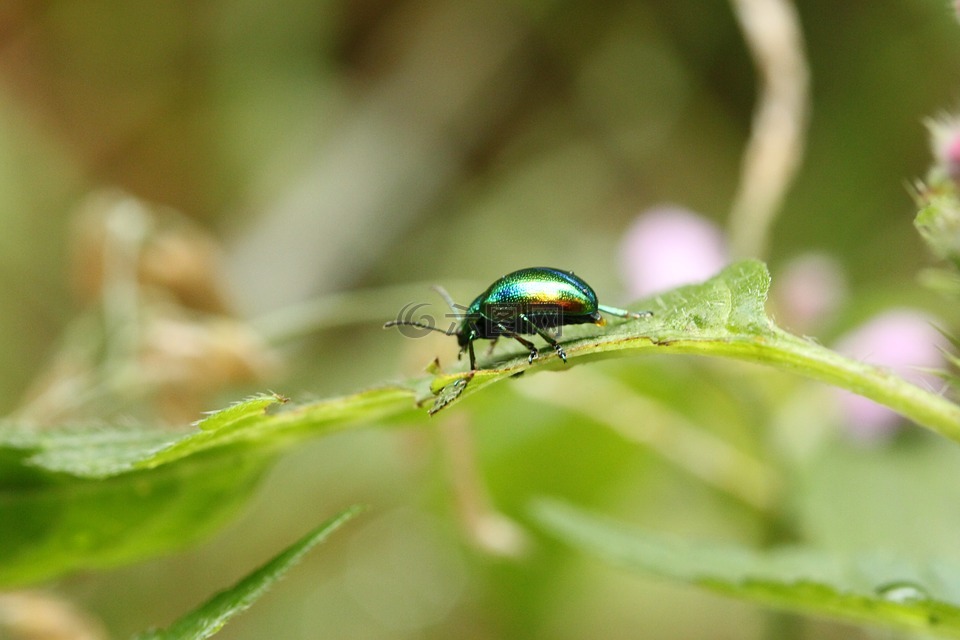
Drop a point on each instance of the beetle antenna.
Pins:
(623, 313)
(420, 325)
(446, 298)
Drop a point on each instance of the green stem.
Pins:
(819, 363)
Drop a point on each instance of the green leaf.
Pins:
(210, 617)
(89, 499)
(92, 498)
(877, 589)
(106, 453)
(725, 317)
(53, 523)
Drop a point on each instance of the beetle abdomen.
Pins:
(546, 297)
(525, 301)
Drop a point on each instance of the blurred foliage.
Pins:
(872, 589)
(143, 490)
(309, 149)
(207, 619)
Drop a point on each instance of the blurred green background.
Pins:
(327, 147)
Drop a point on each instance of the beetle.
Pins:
(526, 302)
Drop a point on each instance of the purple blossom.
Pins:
(951, 156)
(945, 139)
(808, 291)
(668, 246)
(905, 341)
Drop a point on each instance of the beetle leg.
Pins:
(529, 345)
(493, 343)
(546, 336)
(556, 345)
(473, 356)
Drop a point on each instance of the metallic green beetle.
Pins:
(528, 301)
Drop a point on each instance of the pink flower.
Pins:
(903, 340)
(669, 246)
(945, 139)
(808, 291)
